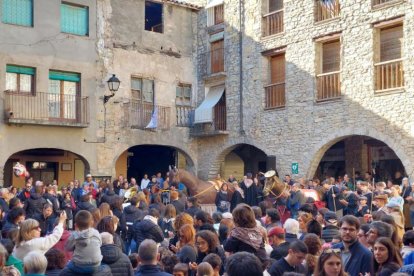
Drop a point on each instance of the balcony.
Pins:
(382, 3)
(329, 86)
(217, 127)
(275, 95)
(138, 115)
(185, 116)
(273, 23)
(212, 63)
(389, 75)
(46, 109)
(327, 9)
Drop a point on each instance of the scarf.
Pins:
(250, 236)
(240, 190)
(248, 183)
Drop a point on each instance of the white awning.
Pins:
(204, 113)
(213, 3)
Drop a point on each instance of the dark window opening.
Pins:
(153, 17)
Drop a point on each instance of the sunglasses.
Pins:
(36, 228)
(331, 250)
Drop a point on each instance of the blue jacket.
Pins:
(151, 270)
(361, 260)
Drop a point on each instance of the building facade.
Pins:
(223, 87)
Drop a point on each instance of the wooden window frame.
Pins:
(142, 99)
(275, 92)
(183, 98)
(18, 91)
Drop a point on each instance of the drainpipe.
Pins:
(242, 132)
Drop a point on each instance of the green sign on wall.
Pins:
(295, 168)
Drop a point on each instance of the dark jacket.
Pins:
(7, 227)
(4, 206)
(289, 237)
(116, 260)
(235, 245)
(109, 198)
(222, 201)
(53, 272)
(236, 199)
(179, 206)
(85, 205)
(146, 229)
(103, 270)
(388, 269)
(192, 210)
(46, 224)
(219, 251)
(122, 229)
(34, 205)
(51, 199)
(329, 232)
(280, 251)
(187, 254)
(151, 270)
(132, 214)
(361, 260)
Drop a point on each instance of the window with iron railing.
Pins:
(389, 73)
(275, 91)
(329, 78)
(272, 22)
(20, 79)
(74, 19)
(326, 9)
(17, 12)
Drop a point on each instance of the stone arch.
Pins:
(331, 138)
(223, 152)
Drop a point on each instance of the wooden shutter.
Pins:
(277, 69)
(275, 5)
(217, 56)
(331, 57)
(391, 40)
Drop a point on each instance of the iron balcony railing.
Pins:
(46, 108)
(147, 115)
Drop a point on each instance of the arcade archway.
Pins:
(47, 164)
(360, 154)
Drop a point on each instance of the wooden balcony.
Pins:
(218, 14)
(326, 9)
(217, 127)
(272, 23)
(138, 115)
(329, 86)
(212, 63)
(46, 109)
(381, 3)
(389, 75)
(185, 116)
(275, 95)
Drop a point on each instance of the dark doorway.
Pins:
(150, 160)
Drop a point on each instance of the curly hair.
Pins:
(181, 220)
(314, 245)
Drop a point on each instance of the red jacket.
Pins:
(61, 245)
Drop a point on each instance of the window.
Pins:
(326, 9)
(329, 85)
(20, 79)
(142, 89)
(183, 95)
(74, 19)
(215, 12)
(64, 89)
(272, 22)
(389, 70)
(217, 56)
(153, 17)
(18, 12)
(275, 91)
(218, 14)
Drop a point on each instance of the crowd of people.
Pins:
(351, 227)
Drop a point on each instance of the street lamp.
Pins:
(113, 85)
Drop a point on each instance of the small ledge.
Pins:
(220, 76)
(269, 37)
(274, 108)
(387, 5)
(399, 90)
(327, 101)
(327, 21)
(13, 121)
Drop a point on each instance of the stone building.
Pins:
(220, 87)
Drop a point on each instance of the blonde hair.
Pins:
(35, 263)
(25, 231)
(141, 197)
(105, 210)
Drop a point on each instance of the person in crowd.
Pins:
(277, 240)
(179, 221)
(243, 264)
(179, 205)
(250, 190)
(55, 262)
(148, 253)
(387, 258)
(105, 209)
(321, 215)
(109, 224)
(28, 238)
(407, 252)
(25, 194)
(291, 227)
(207, 242)
(226, 225)
(357, 258)
(148, 228)
(303, 219)
(217, 217)
(35, 264)
(167, 221)
(363, 234)
(395, 197)
(237, 197)
(109, 196)
(204, 269)
(15, 202)
(133, 258)
(34, 205)
(215, 261)
(4, 199)
(167, 260)
(246, 236)
(185, 247)
(363, 208)
(378, 229)
(68, 204)
(85, 203)
(8, 259)
(193, 206)
(114, 257)
(85, 243)
(132, 214)
(181, 269)
(223, 199)
(204, 221)
(330, 264)
(51, 198)
(117, 211)
(13, 219)
(144, 182)
(395, 211)
(96, 214)
(295, 200)
(272, 219)
(292, 262)
(314, 245)
(124, 188)
(333, 198)
(46, 219)
(379, 202)
(331, 226)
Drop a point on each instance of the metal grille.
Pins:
(74, 19)
(18, 12)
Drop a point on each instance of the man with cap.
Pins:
(366, 192)
(279, 244)
(89, 181)
(295, 200)
(363, 208)
(331, 229)
(379, 202)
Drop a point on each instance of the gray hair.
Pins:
(291, 226)
(3, 255)
(384, 229)
(148, 251)
(35, 263)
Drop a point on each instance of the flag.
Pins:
(154, 119)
